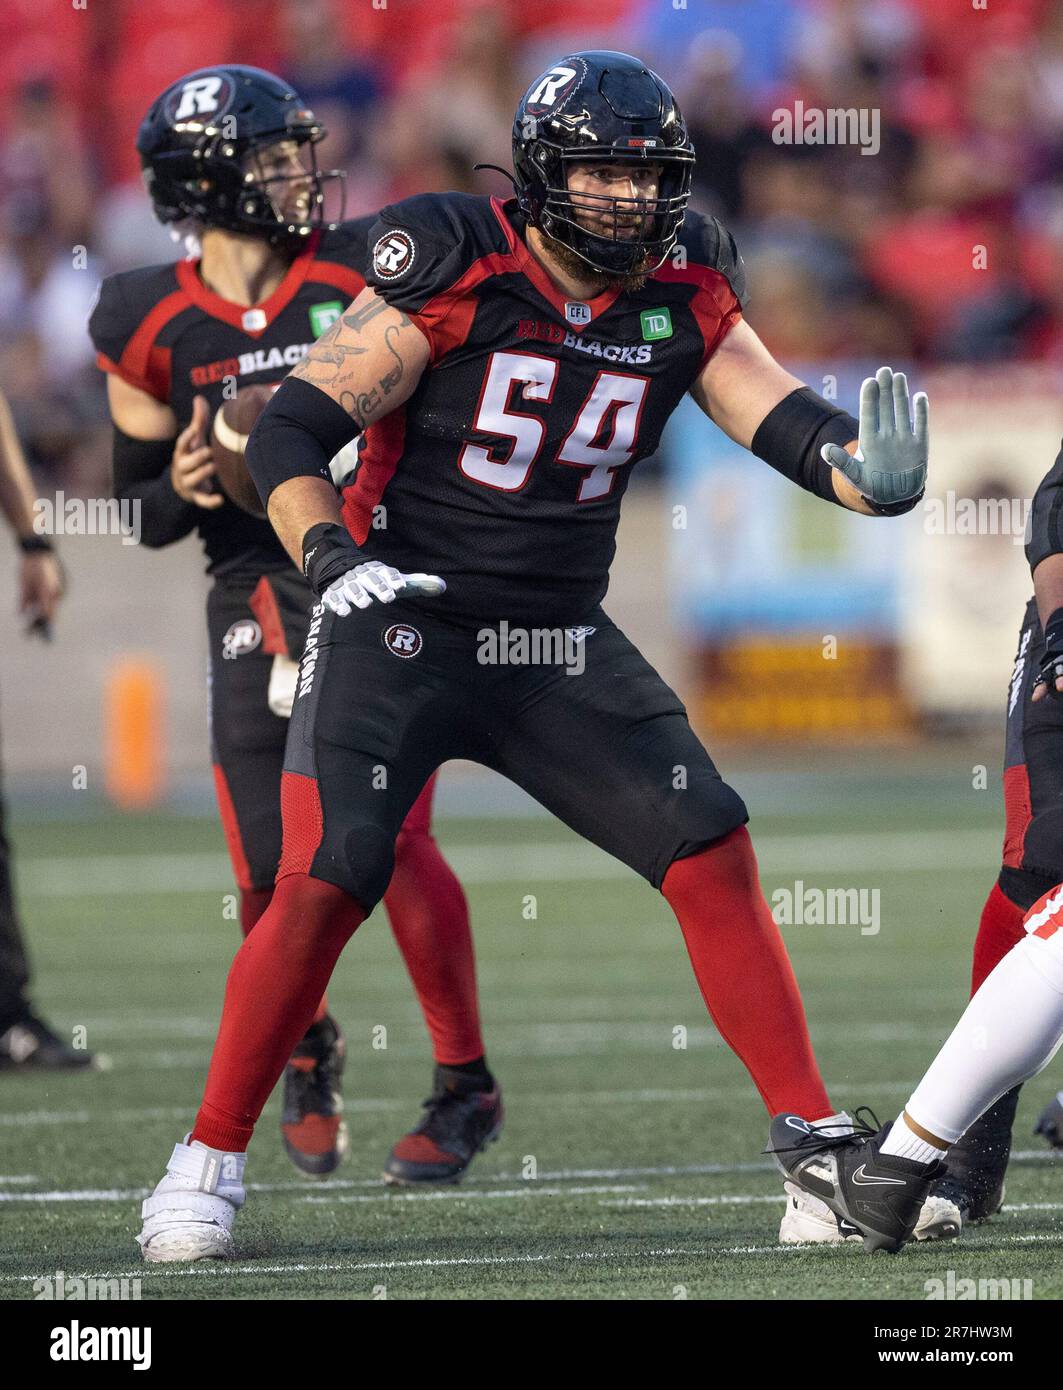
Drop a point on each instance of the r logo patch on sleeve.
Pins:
(394, 255)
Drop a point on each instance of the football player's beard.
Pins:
(602, 280)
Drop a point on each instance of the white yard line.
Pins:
(221, 1270)
(458, 1194)
(512, 1186)
(733, 1201)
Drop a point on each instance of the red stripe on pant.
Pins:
(230, 824)
(1049, 907)
(1018, 813)
(427, 910)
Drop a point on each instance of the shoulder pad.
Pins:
(124, 302)
(346, 243)
(707, 242)
(420, 247)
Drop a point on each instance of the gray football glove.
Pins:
(889, 467)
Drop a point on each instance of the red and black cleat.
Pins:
(315, 1135)
(462, 1118)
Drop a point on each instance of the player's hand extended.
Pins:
(375, 580)
(889, 467)
(192, 468)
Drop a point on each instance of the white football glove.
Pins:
(375, 580)
(889, 467)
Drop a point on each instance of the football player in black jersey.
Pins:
(229, 153)
(506, 365)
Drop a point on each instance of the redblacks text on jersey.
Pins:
(505, 470)
(162, 330)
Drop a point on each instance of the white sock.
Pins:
(1010, 1030)
(903, 1142)
(841, 1123)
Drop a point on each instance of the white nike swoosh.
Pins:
(865, 1181)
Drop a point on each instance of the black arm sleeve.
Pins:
(1046, 516)
(298, 435)
(791, 435)
(141, 475)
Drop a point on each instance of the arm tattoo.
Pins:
(391, 379)
(329, 364)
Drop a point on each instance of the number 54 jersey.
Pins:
(505, 470)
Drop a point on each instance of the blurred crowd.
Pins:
(946, 245)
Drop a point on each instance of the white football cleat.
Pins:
(808, 1221)
(190, 1214)
(939, 1219)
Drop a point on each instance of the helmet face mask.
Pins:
(603, 109)
(615, 234)
(234, 148)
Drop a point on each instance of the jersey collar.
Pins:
(233, 314)
(533, 271)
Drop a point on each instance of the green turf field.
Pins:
(628, 1167)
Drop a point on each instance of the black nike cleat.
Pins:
(973, 1188)
(1050, 1123)
(879, 1194)
(312, 1125)
(31, 1044)
(462, 1118)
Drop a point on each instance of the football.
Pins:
(232, 425)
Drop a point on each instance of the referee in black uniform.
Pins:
(25, 1039)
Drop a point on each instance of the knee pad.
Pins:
(708, 812)
(367, 865)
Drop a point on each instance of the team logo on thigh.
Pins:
(243, 637)
(402, 640)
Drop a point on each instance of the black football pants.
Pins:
(388, 693)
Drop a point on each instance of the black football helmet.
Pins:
(599, 107)
(201, 146)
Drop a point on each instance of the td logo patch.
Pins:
(243, 636)
(656, 324)
(402, 640)
(394, 255)
(323, 316)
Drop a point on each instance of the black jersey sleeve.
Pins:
(141, 475)
(111, 323)
(347, 243)
(1046, 516)
(130, 309)
(706, 241)
(418, 249)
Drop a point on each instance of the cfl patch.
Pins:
(402, 640)
(394, 255)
